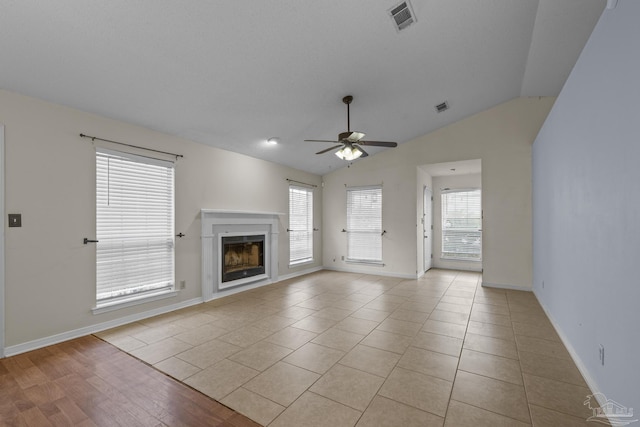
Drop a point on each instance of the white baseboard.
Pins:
(593, 385)
(373, 273)
(300, 273)
(440, 266)
(92, 329)
(503, 286)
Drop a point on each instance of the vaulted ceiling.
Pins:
(233, 74)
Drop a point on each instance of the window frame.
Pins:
(301, 225)
(152, 177)
(364, 240)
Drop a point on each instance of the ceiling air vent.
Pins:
(402, 15)
(442, 107)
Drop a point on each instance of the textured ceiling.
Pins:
(232, 74)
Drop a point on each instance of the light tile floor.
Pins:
(339, 349)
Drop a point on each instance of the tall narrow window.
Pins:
(364, 224)
(462, 225)
(300, 225)
(134, 226)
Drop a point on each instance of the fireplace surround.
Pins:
(239, 250)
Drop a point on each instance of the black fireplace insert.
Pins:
(243, 257)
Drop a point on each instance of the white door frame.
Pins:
(2, 264)
(427, 228)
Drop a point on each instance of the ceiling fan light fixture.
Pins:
(348, 153)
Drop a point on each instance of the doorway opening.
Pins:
(456, 241)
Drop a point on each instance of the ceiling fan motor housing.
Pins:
(351, 136)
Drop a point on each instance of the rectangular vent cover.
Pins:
(442, 107)
(402, 15)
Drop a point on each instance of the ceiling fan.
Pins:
(351, 142)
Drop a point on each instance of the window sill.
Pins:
(299, 263)
(372, 263)
(133, 301)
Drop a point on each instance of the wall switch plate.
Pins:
(15, 220)
(601, 351)
(183, 284)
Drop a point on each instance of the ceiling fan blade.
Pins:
(321, 140)
(379, 143)
(327, 149)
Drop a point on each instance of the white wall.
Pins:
(501, 137)
(468, 181)
(586, 182)
(50, 180)
(399, 250)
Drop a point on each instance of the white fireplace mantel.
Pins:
(215, 223)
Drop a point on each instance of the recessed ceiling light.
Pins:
(273, 140)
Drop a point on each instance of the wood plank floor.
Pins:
(88, 382)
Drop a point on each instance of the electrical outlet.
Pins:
(601, 353)
(183, 284)
(543, 284)
(342, 257)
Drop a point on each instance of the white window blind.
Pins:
(462, 225)
(300, 224)
(134, 225)
(364, 224)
